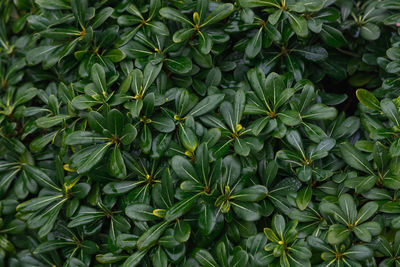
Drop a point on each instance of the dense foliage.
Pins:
(199, 133)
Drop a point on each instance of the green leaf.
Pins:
(366, 212)
(159, 258)
(38, 203)
(337, 234)
(40, 177)
(355, 158)
(247, 211)
(83, 137)
(163, 124)
(290, 117)
(48, 122)
(257, 81)
(38, 54)
(298, 24)
(173, 14)
(241, 147)
(140, 212)
(188, 138)
(218, 14)
(150, 73)
(128, 134)
(207, 219)
(254, 45)
(362, 233)
(222, 254)
(86, 159)
(79, 8)
(250, 194)
(294, 139)
(24, 95)
(182, 231)
(320, 112)
(240, 258)
(313, 53)
(158, 28)
(118, 188)
(180, 208)
(52, 245)
(393, 53)
(390, 111)
(183, 34)
(40, 142)
(347, 205)
(304, 197)
(115, 55)
(99, 78)
(204, 258)
(205, 42)
(150, 237)
(134, 259)
(116, 165)
(359, 253)
(332, 37)
(179, 65)
(101, 17)
(370, 31)
(368, 99)
(84, 102)
(206, 105)
(115, 122)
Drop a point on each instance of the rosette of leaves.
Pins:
(199, 180)
(303, 159)
(12, 105)
(187, 109)
(147, 23)
(340, 255)
(281, 189)
(11, 72)
(267, 99)
(310, 219)
(233, 194)
(388, 248)
(285, 249)
(90, 44)
(232, 132)
(306, 164)
(200, 25)
(364, 16)
(111, 131)
(389, 62)
(287, 10)
(384, 150)
(388, 201)
(9, 226)
(60, 191)
(350, 221)
(140, 82)
(15, 170)
(159, 49)
(238, 256)
(71, 244)
(145, 174)
(91, 221)
(380, 172)
(14, 16)
(97, 93)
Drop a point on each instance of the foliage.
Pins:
(199, 133)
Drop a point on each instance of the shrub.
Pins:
(199, 133)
